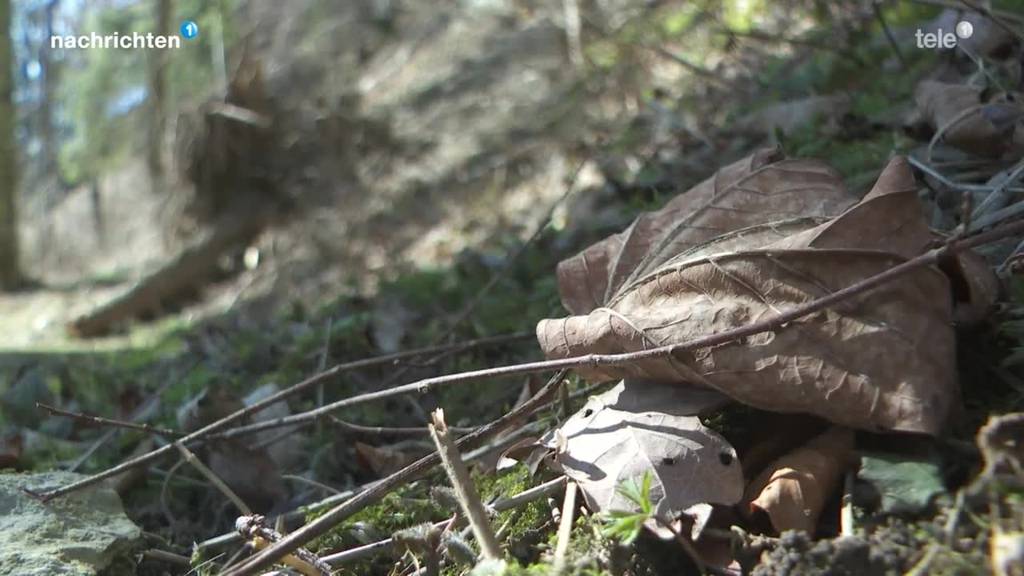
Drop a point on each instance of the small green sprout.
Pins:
(624, 525)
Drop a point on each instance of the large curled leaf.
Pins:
(760, 188)
(638, 428)
(882, 360)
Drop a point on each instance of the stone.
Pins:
(81, 534)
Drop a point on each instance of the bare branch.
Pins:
(273, 399)
(109, 422)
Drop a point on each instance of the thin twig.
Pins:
(696, 69)
(469, 498)
(877, 7)
(998, 195)
(565, 529)
(380, 489)
(321, 363)
(527, 496)
(769, 37)
(391, 431)
(1012, 211)
(213, 478)
(273, 399)
(110, 422)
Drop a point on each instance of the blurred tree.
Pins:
(158, 96)
(50, 71)
(10, 272)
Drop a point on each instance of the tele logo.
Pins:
(942, 39)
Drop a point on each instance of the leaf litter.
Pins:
(762, 235)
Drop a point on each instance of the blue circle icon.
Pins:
(189, 29)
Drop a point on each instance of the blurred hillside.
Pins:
(403, 133)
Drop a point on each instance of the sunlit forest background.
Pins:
(407, 132)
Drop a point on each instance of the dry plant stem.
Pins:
(273, 399)
(846, 524)
(165, 556)
(380, 489)
(469, 498)
(101, 421)
(565, 528)
(877, 8)
(213, 478)
(390, 431)
(999, 192)
(527, 496)
(597, 360)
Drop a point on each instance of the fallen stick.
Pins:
(565, 529)
(272, 399)
(269, 556)
(380, 489)
(469, 498)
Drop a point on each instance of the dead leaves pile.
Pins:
(761, 236)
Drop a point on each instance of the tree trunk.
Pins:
(51, 74)
(10, 272)
(158, 95)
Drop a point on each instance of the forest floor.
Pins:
(434, 209)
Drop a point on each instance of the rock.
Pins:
(80, 534)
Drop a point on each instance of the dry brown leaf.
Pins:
(760, 188)
(881, 360)
(793, 489)
(637, 428)
(982, 127)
